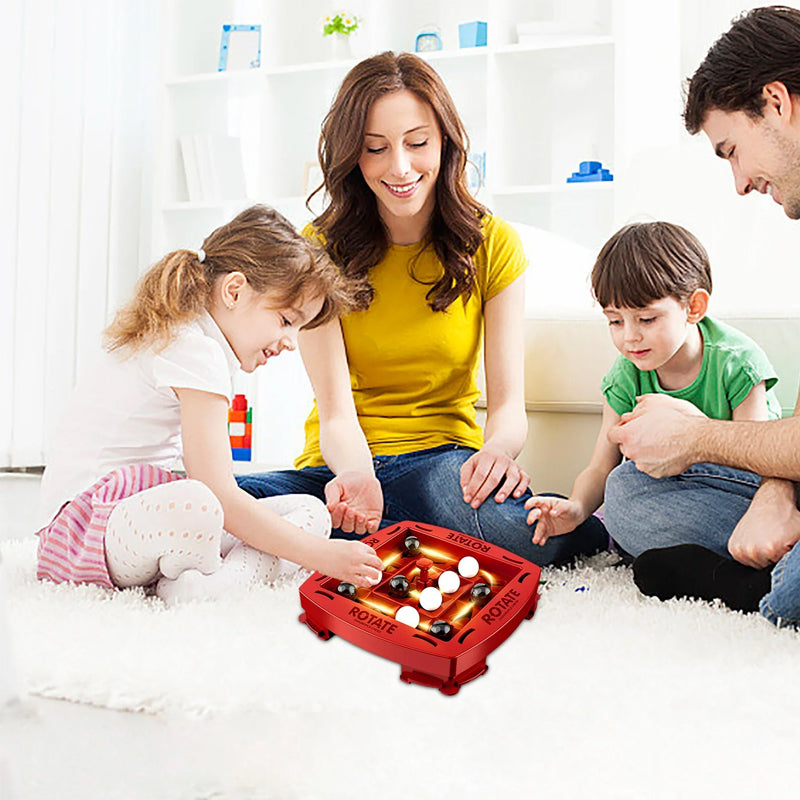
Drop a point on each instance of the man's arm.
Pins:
(664, 436)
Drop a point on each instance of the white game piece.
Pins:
(449, 582)
(468, 567)
(430, 599)
(408, 615)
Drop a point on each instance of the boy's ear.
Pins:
(697, 305)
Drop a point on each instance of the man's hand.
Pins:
(769, 528)
(355, 502)
(658, 435)
(484, 470)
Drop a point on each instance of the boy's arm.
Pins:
(754, 406)
(589, 486)
(556, 516)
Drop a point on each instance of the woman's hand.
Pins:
(355, 502)
(485, 470)
(553, 516)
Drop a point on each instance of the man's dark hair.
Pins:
(762, 46)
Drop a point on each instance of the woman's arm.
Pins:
(354, 497)
(506, 424)
(207, 458)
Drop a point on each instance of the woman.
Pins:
(393, 434)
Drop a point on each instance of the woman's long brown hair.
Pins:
(354, 235)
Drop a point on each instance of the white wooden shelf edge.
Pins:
(551, 188)
(545, 43)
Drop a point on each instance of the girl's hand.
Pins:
(553, 516)
(484, 471)
(353, 562)
(355, 502)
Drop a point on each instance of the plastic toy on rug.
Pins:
(444, 602)
(590, 171)
(240, 428)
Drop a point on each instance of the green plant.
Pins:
(341, 22)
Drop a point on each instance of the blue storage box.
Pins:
(472, 34)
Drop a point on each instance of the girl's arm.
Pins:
(556, 515)
(506, 424)
(207, 458)
(354, 496)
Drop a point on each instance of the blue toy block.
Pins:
(589, 171)
(472, 34)
(242, 453)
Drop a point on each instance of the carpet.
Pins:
(601, 676)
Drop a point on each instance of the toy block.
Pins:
(237, 429)
(590, 171)
(237, 416)
(242, 453)
(472, 34)
(242, 441)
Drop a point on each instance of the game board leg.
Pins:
(323, 633)
(533, 607)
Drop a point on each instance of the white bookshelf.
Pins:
(536, 108)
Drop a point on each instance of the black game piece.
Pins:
(411, 546)
(480, 593)
(347, 590)
(441, 629)
(398, 586)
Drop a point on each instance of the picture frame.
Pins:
(240, 47)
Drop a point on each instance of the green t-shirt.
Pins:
(732, 365)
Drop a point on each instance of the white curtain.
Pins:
(78, 85)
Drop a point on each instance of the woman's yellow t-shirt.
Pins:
(414, 370)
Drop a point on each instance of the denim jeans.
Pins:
(424, 486)
(700, 506)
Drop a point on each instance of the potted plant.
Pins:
(339, 27)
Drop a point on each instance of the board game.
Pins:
(445, 601)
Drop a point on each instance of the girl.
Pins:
(161, 390)
(393, 434)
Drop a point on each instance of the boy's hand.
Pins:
(553, 516)
(353, 562)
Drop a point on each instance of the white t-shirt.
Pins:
(124, 411)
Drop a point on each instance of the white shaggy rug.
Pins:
(603, 694)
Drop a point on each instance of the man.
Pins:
(745, 96)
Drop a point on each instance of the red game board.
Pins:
(450, 645)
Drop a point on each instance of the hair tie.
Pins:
(201, 255)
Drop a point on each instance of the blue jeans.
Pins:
(700, 506)
(424, 486)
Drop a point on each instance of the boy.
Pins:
(653, 281)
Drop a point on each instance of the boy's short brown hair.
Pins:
(647, 261)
